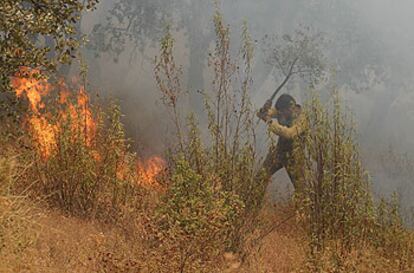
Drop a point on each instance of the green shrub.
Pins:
(229, 153)
(195, 218)
(215, 164)
(336, 205)
(335, 201)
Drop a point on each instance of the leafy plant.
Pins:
(335, 201)
(194, 218)
(32, 30)
(336, 205)
(299, 54)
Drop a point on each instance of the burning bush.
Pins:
(83, 163)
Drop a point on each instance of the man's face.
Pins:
(285, 113)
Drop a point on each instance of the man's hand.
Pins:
(263, 113)
(266, 107)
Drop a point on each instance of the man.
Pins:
(287, 121)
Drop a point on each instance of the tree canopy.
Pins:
(298, 54)
(38, 34)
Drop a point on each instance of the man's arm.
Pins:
(288, 132)
(268, 114)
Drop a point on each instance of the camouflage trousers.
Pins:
(280, 156)
(276, 160)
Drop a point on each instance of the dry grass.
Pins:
(17, 218)
(280, 248)
(37, 239)
(68, 244)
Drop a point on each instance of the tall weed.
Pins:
(214, 168)
(335, 205)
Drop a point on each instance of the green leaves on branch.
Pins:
(299, 54)
(38, 34)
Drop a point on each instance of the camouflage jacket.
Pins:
(288, 129)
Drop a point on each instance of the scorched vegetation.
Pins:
(75, 197)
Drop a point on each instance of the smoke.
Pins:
(370, 49)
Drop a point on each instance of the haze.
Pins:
(370, 46)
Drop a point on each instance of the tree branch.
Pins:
(280, 65)
(302, 71)
(286, 79)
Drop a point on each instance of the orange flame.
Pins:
(149, 170)
(44, 132)
(44, 135)
(80, 114)
(26, 81)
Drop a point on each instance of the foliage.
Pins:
(194, 219)
(89, 175)
(32, 30)
(230, 116)
(391, 237)
(336, 198)
(138, 22)
(299, 54)
(220, 169)
(141, 23)
(168, 78)
(231, 154)
(336, 205)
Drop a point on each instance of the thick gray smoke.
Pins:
(370, 46)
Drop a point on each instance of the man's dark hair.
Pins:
(284, 102)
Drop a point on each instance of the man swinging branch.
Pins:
(287, 120)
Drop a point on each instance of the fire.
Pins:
(45, 128)
(80, 115)
(146, 173)
(86, 115)
(45, 131)
(27, 82)
(149, 170)
(44, 135)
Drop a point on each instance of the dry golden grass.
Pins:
(61, 243)
(17, 218)
(35, 238)
(69, 244)
(280, 245)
